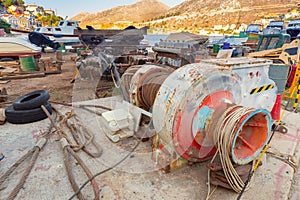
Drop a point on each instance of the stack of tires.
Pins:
(27, 108)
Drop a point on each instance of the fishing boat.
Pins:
(254, 30)
(63, 33)
(13, 47)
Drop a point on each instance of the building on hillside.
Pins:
(35, 9)
(3, 10)
(49, 12)
(27, 22)
(15, 10)
(10, 19)
(217, 27)
(22, 22)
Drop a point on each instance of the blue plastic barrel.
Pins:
(226, 45)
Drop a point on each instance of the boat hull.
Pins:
(17, 46)
(66, 39)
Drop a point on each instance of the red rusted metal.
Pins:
(196, 144)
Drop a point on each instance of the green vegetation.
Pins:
(50, 20)
(5, 26)
(7, 3)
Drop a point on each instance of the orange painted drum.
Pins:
(191, 136)
(194, 130)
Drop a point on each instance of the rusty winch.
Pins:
(191, 105)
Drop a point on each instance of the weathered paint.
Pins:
(259, 136)
(200, 120)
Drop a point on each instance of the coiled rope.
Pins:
(68, 150)
(226, 131)
(150, 88)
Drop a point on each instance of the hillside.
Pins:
(191, 15)
(141, 11)
(206, 6)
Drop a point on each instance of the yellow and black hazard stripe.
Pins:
(297, 96)
(262, 89)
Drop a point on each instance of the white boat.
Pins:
(63, 33)
(13, 47)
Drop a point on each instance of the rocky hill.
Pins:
(195, 15)
(191, 15)
(203, 6)
(141, 11)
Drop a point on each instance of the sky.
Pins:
(70, 8)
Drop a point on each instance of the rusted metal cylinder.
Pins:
(145, 84)
(191, 97)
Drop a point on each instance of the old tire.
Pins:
(31, 100)
(26, 116)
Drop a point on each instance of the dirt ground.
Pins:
(60, 86)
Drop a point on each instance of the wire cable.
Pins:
(113, 166)
(226, 131)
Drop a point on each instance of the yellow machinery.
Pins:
(293, 92)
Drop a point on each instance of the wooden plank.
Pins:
(4, 82)
(259, 54)
(6, 71)
(10, 64)
(5, 63)
(225, 53)
(34, 75)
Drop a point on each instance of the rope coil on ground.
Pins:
(81, 135)
(223, 137)
(68, 150)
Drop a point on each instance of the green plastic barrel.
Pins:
(62, 48)
(243, 34)
(27, 63)
(216, 48)
(79, 51)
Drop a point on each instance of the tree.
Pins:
(50, 20)
(7, 3)
(4, 25)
